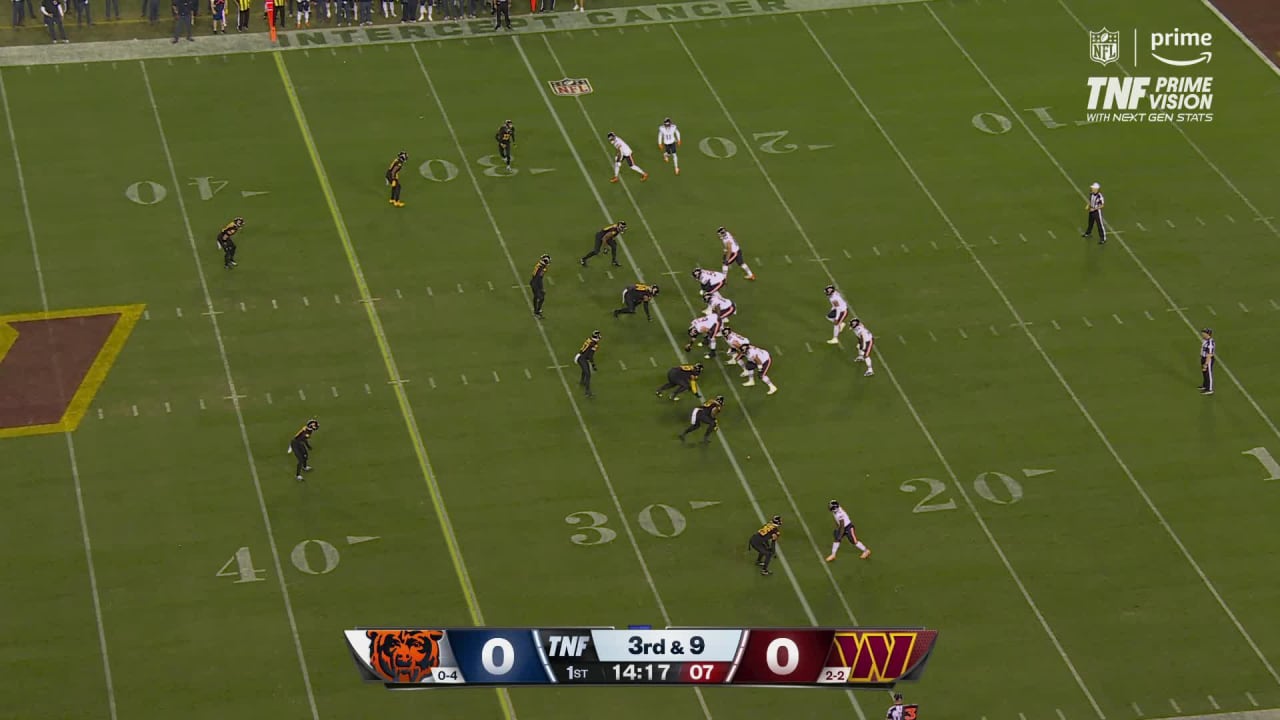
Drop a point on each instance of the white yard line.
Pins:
(731, 382)
(1258, 214)
(995, 544)
(551, 351)
(71, 446)
(235, 397)
(1133, 480)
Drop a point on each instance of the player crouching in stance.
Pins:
(844, 530)
(735, 342)
(300, 445)
(606, 238)
(706, 326)
(865, 342)
(636, 295)
(709, 280)
(682, 378)
(838, 314)
(758, 363)
(719, 305)
(623, 156)
(669, 141)
(765, 542)
(707, 414)
(393, 177)
(732, 254)
(226, 244)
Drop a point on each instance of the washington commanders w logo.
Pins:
(52, 364)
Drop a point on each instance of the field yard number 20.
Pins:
(994, 487)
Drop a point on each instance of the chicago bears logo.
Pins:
(404, 656)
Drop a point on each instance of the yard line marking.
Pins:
(459, 288)
(934, 243)
(1230, 219)
(1202, 223)
(1151, 505)
(1214, 703)
(365, 300)
(333, 390)
(429, 293)
(388, 359)
(167, 407)
(135, 411)
(995, 544)
(71, 448)
(1086, 322)
(202, 404)
(876, 250)
(1117, 318)
(399, 295)
(788, 258)
(932, 336)
(963, 334)
(1211, 310)
(495, 376)
(274, 306)
(652, 361)
(622, 365)
(243, 308)
(1056, 326)
(905, 249)
(180, 312)
(900, 339)
(1022, 716)
(1141, 227)
(337, 300)
(820, 260)
(994, 331)
(993, 239)
(1148, 314)
(847, 255)
(464, 379)
(367, 389)
(432, 382)
(146, 314)
(546, 340)
(211, 312)
(235, 401)
(528, 375)
(808, 347)
(1251, 700)
(1242, 306)
(1274, 305)
(1137, 710)
(305, 301)
(1061, 715)
(269, 399)
(1174, 703)
(301, 395)
(1169, 222)
(1053, 235)
(610, 273)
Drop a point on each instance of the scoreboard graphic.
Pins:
(770, 657)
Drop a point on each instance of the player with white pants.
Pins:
(733, 254)
(758, 363)
(669, 141)
(838, 314)
(735, 343)
(844, 531)
(623, 156)
(707, 327)
(719, 305)
(865, 342)
(710, 280)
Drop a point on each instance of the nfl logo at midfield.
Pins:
(1104, 46)
(571, 86)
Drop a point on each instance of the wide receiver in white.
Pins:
(707, 327)
(838, 314)
(623, 156)
(865, 342)
(758, 363)
(669, 140)
(733, 254)
(844, 530)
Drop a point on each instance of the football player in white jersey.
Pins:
(669, 140)
(719, 305)
(758, 364)
(733, 254)
(735, 343)
(623, 156)
(844, 530)
(838, 314)
(865, 341)
(710, 280)
(706, 326)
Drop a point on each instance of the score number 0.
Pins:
(773, 656)
(489, 656)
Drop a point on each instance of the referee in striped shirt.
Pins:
(895, 710)
(1206, 361)
(1095, 214)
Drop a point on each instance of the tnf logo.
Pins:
(1121, 93)
(567, 645)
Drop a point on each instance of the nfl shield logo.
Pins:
(569, 87)
(1104, 46)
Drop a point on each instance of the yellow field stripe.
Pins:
(402, 398)
(97, 373)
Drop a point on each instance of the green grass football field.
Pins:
(1031, 463)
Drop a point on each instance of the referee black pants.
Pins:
(1095, 218)
(764, 550)
(502, 14)
(1206, 375)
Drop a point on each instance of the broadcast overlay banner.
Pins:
(772, 657)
